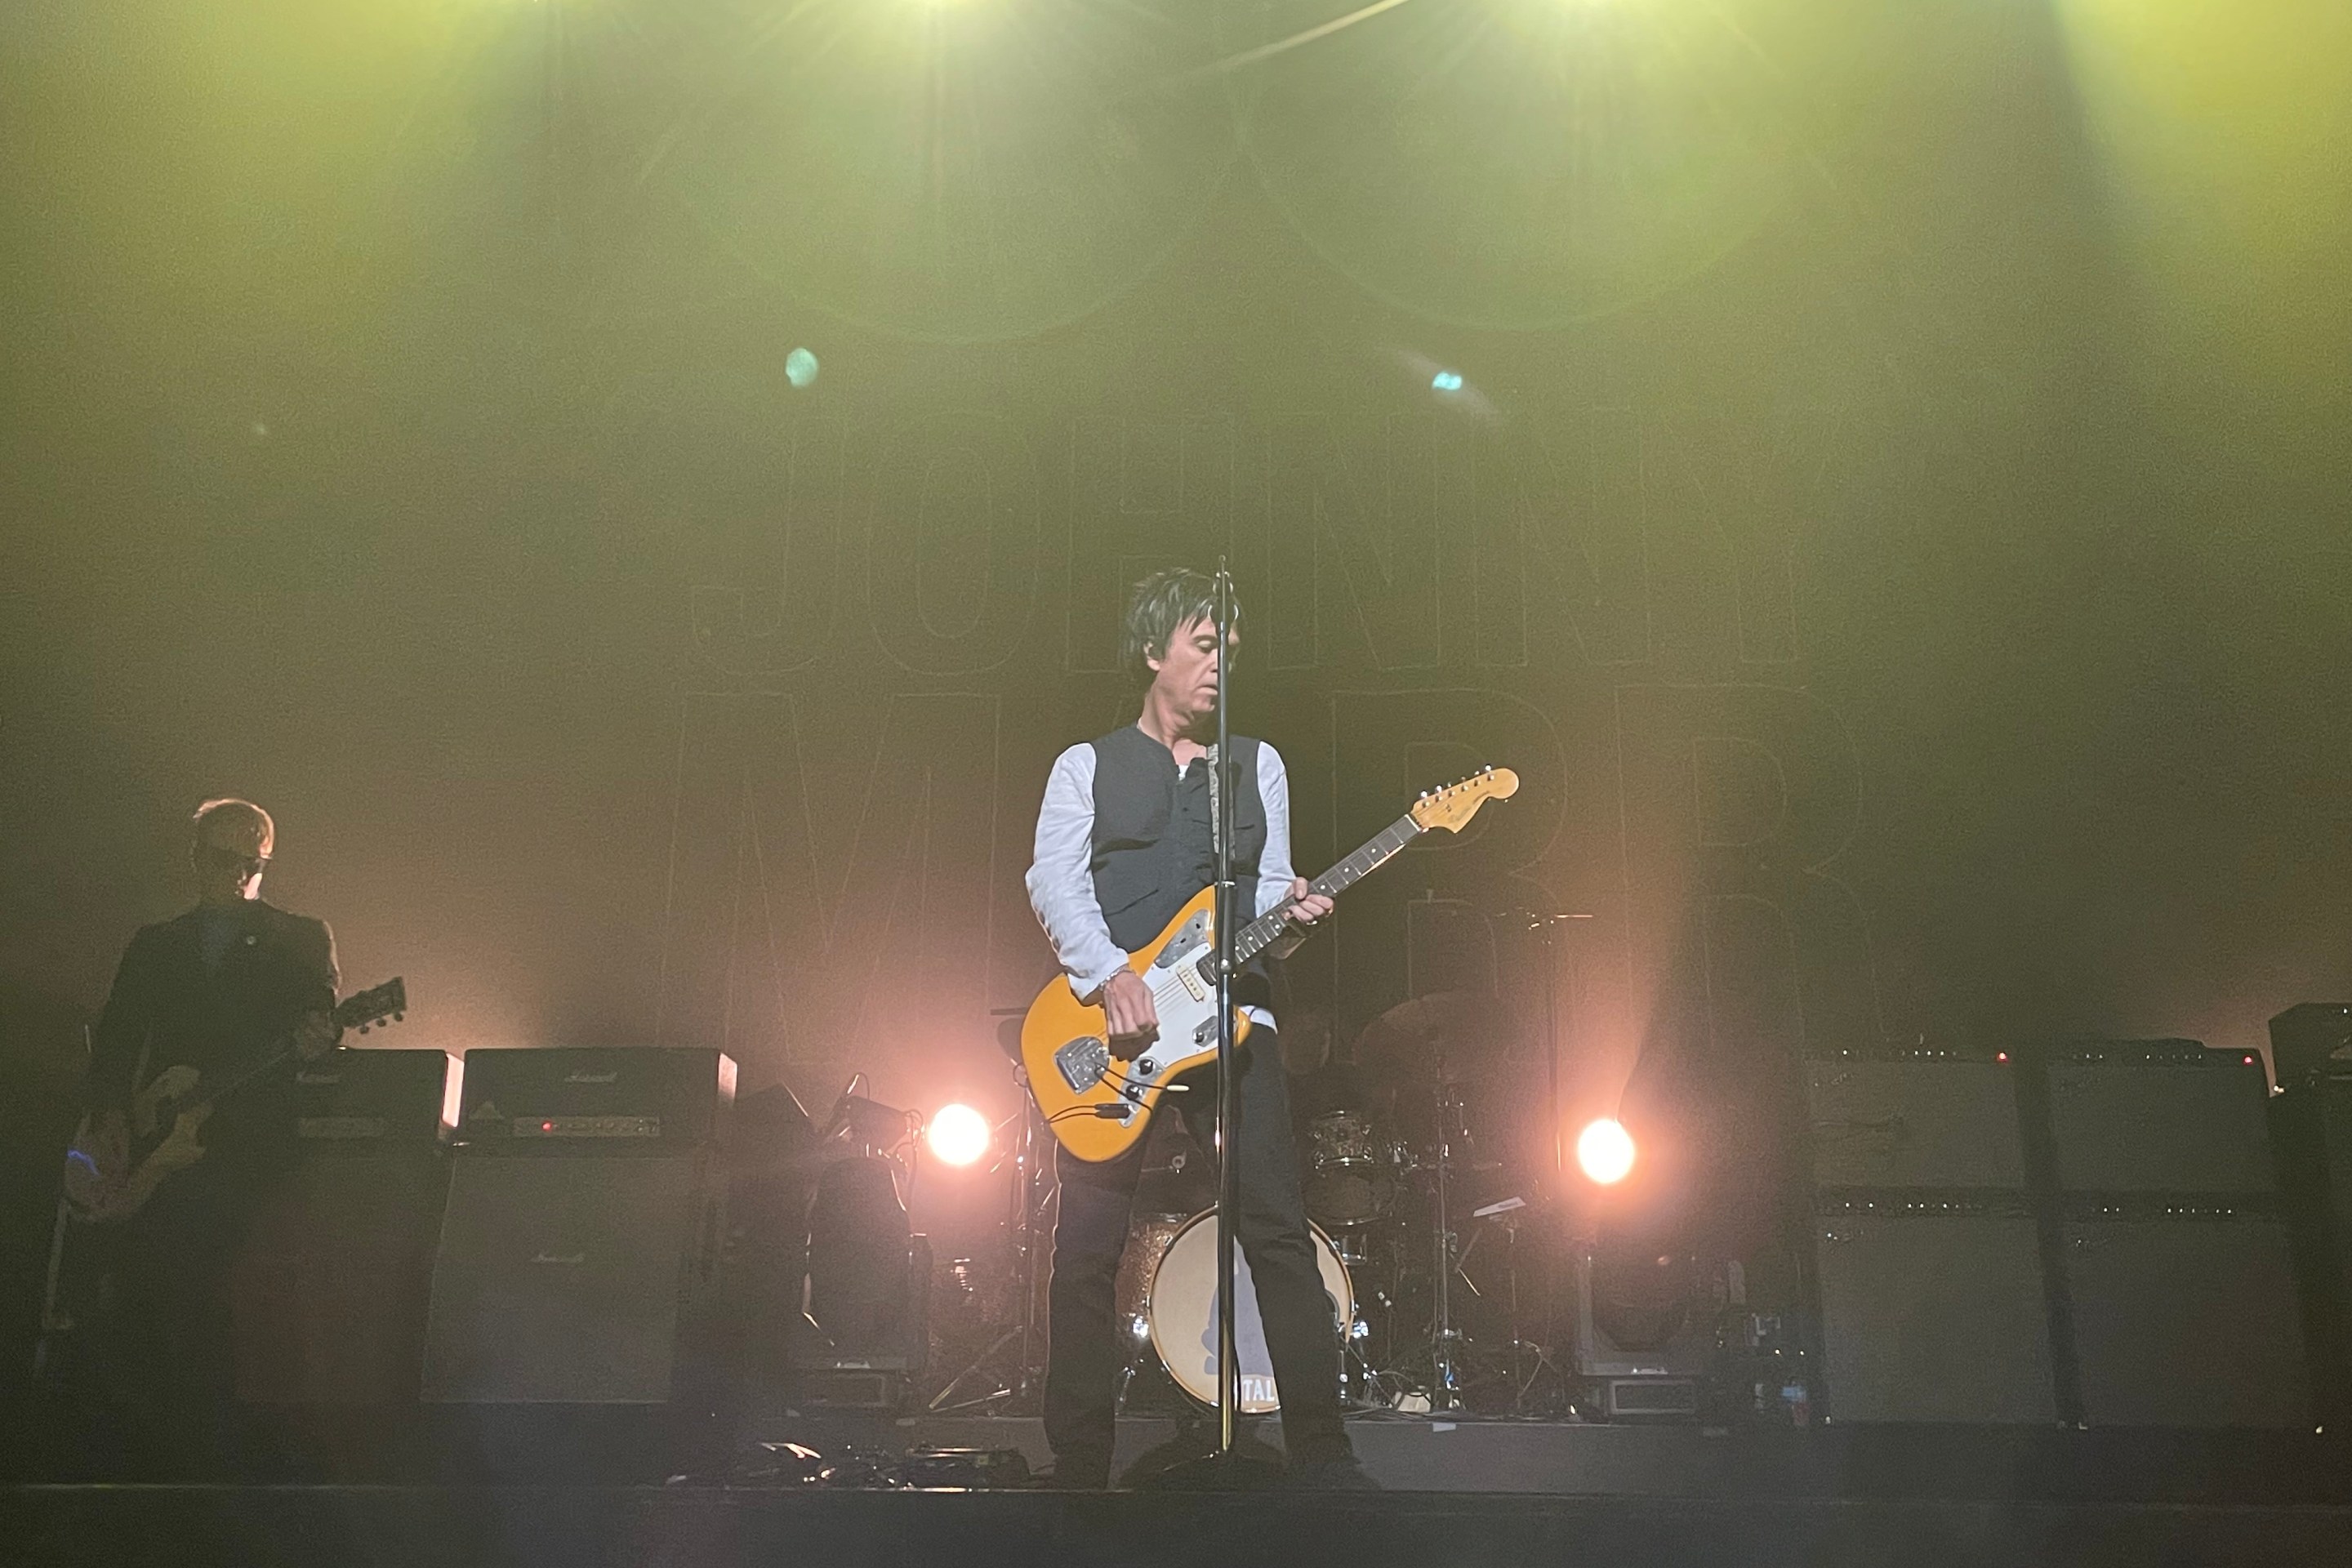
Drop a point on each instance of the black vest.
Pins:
(1153, 846)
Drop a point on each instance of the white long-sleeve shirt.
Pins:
(1061, 872)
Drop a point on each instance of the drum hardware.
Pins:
(1020, 1385)
(1351, 1174)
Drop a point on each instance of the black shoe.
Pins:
(1340, 1474)
(1073, 1475)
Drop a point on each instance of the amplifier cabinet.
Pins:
(1915, 1120)
(327, 1292)
(1933, 1308)
(601, 1100)
(2158, 1116)
(570, 1281)
(2184, 1315)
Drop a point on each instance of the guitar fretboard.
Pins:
(1376, 852)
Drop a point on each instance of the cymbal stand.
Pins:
(1445, 1339)
(1021, 1388)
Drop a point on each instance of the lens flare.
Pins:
(957, 1135)
(1604, 1151)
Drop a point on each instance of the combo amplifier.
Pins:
(2311, 1045)
(1917, 1119)
(367, 1100)
(605, 1099)
(1933, 1308)
(2158, 1116)
(2184, 1314)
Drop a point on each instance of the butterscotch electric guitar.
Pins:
(1099, 1104)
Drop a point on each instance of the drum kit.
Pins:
(1405, 1172)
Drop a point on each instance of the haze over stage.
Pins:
(646, 488)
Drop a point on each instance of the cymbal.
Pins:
(1446, 1037)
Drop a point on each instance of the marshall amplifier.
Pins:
(579, 1281)
(370, 1101)
(2158, 1116)
(601, 1100)
(586, 1277)
(327, 1291)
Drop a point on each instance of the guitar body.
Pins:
(1066, 1042)
(167, 1117)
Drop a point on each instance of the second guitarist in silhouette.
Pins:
(213, 991)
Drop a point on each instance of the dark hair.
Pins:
(1161, 605)
(229, 808)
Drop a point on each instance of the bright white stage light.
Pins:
(957, 1135)
(1604, 1151)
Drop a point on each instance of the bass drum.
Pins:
(1183, 1314)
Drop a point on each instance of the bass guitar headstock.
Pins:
(1452, 807)
(376, 1005)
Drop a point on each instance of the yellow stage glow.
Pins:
(959, 1135)
(1604, 1151)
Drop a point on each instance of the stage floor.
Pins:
(698, 1526)
(1465, 1494)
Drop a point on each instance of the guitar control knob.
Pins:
(1145, 1067)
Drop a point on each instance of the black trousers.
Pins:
(166, 1338)
(1084, 1358)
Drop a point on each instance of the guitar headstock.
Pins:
(385, 1003)
(1452, 807)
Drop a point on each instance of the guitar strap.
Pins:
(1216, 792)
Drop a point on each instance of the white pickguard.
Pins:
(1186, 1000)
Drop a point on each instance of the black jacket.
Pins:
(167, 1009)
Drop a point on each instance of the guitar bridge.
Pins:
(1083, 1063)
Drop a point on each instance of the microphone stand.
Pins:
(1225, 1467)
(1229, 1170)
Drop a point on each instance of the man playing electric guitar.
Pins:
(211, 995)
(1125, 837)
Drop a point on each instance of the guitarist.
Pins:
(1124, 838)
(213, 990)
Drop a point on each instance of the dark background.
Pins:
(1894, 521)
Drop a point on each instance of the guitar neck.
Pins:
(1375, 852)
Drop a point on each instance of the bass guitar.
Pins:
(168, 1114)
(1097, 1103)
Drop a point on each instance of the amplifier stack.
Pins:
(329, 1290)
(1924, 1248)
(2311, 1045)
(582, 1233)
(2173, 1268)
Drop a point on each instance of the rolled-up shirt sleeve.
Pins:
(1061, 876)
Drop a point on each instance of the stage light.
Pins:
(1446, 381)
(801, 367)
(957, 1135)
(1604, 1151)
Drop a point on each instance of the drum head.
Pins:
(1183, 1314)
(1147, 1235)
